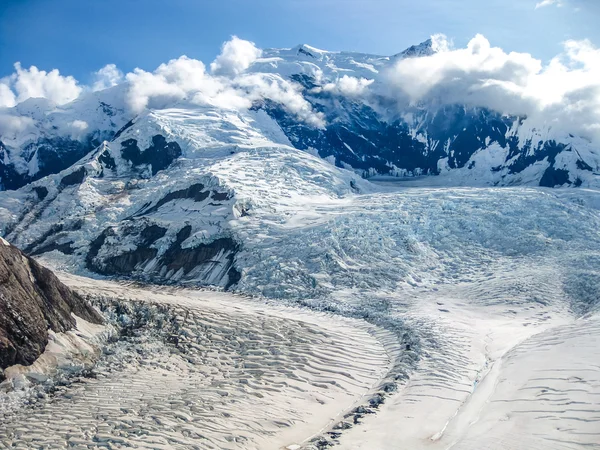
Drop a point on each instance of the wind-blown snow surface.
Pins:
(229, 374)
(474, 282)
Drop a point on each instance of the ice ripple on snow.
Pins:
(233, 377)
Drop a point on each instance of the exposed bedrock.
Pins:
(162, 259)
(32, 301)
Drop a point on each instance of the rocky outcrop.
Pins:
(206, 263)
(158, 156)
(52, 155)
(32, 301)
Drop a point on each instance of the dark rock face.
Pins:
(95, 247)
(65, 248)
(188, 259)
(55, 238)
(33, 300)
(127, 263)
(53, 155)
(107, 160)
(75, 177)
(356, 135)
(123, 129)
(555, 177)
(159, 155)
(214, 259)
(41, 192)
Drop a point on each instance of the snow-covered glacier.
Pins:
(437, 235)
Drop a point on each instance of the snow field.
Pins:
(241, 375)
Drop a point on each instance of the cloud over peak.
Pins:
(35, 83)
(564, 93)
(235, 57)
(107, 77)
(226, 86)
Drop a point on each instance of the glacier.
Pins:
(456, 244)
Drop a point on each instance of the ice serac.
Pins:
(33, 301)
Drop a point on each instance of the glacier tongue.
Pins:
(464, 280)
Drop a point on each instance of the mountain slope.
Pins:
(43, 139)
(374, 135)
(334, 104)
(33, 301)
(157, 202)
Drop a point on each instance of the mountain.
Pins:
(371, 135)
(158, 201)
(400, 250)
(50, 138)
(188, 191)
(470, 145)
(33, 301)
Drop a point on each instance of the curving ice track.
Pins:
(242, 375)
(510, 333)
(493, 292)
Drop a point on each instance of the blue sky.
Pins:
(80, 36)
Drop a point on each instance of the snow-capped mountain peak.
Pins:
(425, 48)
(336, 104)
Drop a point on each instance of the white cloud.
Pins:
(564, 93)
(187, 79)
(77, 128)
(32, 82)
(169, 83)
(7, 96)
(12, 125)
(235, 57)
(107, 77)
(261, 86)
(349, 86)
(79, 125)
(549, 3)
(441, 43)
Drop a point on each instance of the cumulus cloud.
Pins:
(32, 82)
(226, 86)
(77, 128)
(457, 75)
(11, 125)
(565, 92)
(349, 86)
(171, 82)
(261, 86)
(235, 57)
(548, 3)
(107, 77)
(181, 79)
(7, 96)
(441, 43)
